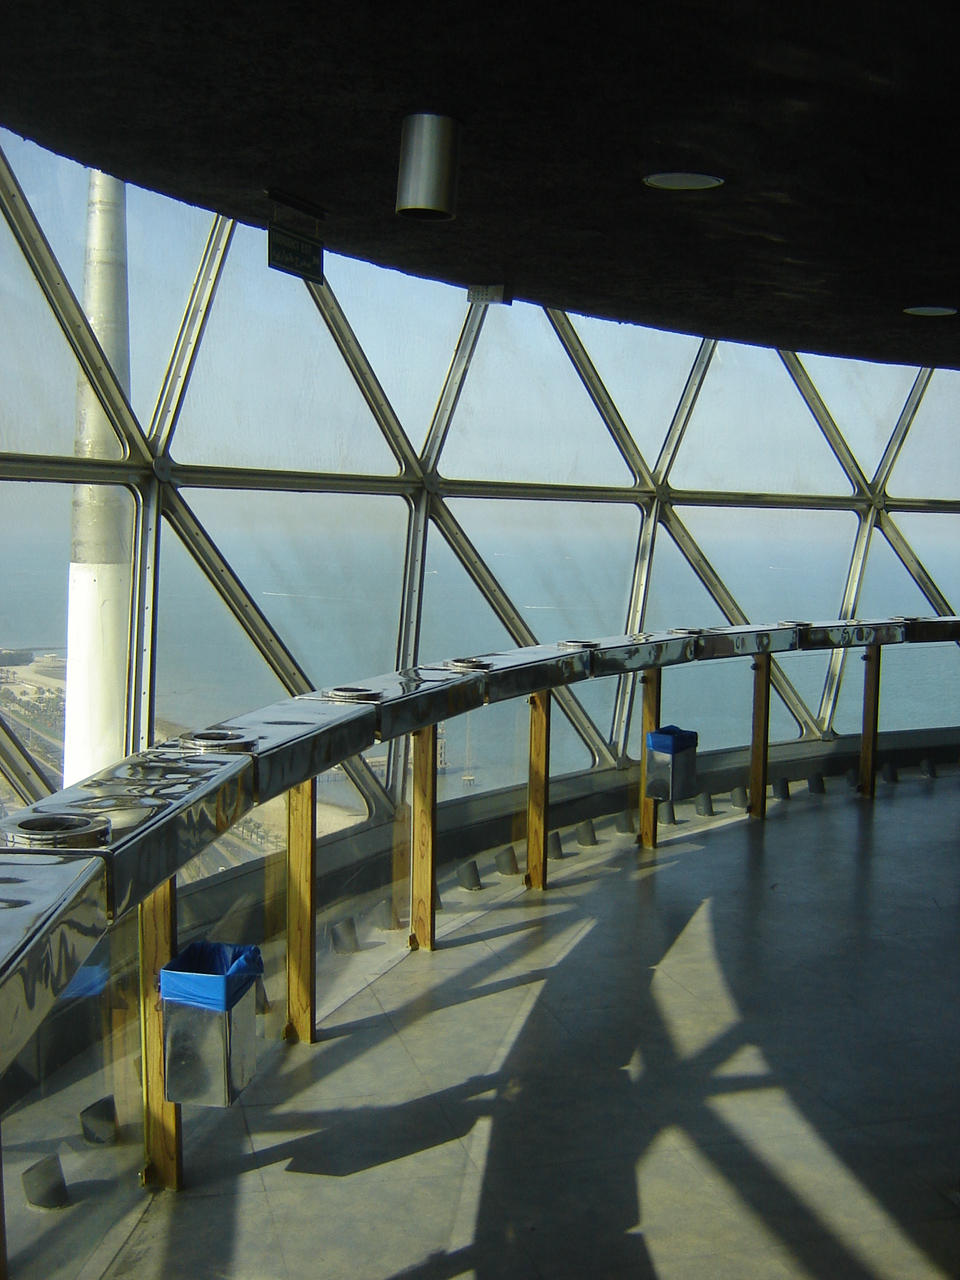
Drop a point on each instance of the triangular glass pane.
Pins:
(325, 568)
(864, 399)
(645, 371)
(715, 699)
(56, 189)
(524, 414)
(751, 431)
(567, 567)
(39, 374)
(777, 563)
(935, 539)
(780, 564)
(408, 328)
(269, 387)
(207, 669)
(165, 242)
(487, 749)
(568, 751)
(919, 684)
(929, 461)
(36, 537)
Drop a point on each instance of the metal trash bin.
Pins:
(209, 1022)
(671, 763)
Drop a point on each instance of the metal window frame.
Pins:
(157, 484)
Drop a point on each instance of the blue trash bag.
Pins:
(671, 740)
(210, 975)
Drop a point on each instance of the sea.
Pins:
(340, 623)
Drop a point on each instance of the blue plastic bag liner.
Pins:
(89, 980)
(671, 740)
(210, 975)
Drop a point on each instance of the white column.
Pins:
(98, 626)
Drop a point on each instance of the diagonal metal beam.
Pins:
(848, 606)
(177, 376)
(234, 594)
(685, 408)
(256, 626)
(639, 589)
(904, 423)
(453, 385)
(913, 565)
(408, 638)
(735, 615)
(362, 370)
(70, 316)
(19, 767)
(825, 421)
(143, 617)
(514, 622)
(598, 393)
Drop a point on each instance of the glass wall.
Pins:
(295, 465)
(302, 451)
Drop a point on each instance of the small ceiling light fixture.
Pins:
(683, 181)
(929, 311)
(429, 165)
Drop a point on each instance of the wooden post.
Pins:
(761, 734)
(871, 720)
(423, 871)
(538, 791)
(302, 912)
(162, 1139)
(649, 720)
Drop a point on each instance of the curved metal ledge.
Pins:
(150, 814)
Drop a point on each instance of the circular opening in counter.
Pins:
(353, 693)
(59, 830)
(218, 740)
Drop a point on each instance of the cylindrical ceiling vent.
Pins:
(429, 163)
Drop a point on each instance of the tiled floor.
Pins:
(740, 1060)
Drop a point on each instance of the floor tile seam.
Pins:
(413, 1062)
(741, 1018)
(253, 1146)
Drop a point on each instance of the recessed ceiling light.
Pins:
(682, 181)
(929, 311)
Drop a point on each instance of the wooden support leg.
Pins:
(423, 871)
(302, 912)
(162, 1139)
(761, 735)
(871, 720)
(538, 791)
(649, 720)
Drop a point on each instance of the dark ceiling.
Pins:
(834, 127)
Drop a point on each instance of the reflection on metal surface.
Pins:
(849, 635)
(406, 701)
(620, 654)
(729, 642)
(62, 830)
(159, 809)
(53, 911)
(930, 630)
(524, 671)
(300, 738)
(217, 739)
